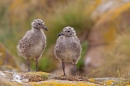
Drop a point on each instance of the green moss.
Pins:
(45, 76)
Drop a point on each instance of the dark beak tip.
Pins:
(58, 35)
(46, 29)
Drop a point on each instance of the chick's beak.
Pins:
(60, 34)
(44, 27)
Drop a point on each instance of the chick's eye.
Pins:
(38, 23)
(68, 31)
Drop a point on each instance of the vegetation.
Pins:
(16, 17)
(117, 59)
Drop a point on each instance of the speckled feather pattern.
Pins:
(68, 48)
(32, 44)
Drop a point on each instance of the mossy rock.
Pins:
(101, 37)
(47, 79)
(112, 22)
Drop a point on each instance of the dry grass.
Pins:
(117, 59)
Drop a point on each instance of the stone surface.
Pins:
(46, 79)
(104, 6)
(111, 22)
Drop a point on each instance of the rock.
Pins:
(94, 57)
(103, 6)
(111, 22)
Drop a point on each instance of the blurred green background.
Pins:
(16, 17)
(97, 23)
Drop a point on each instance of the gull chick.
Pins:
(68, 47)
(33, 42)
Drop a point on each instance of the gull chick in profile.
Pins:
(33, 42)
(68, 47)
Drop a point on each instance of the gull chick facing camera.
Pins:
(68, 48)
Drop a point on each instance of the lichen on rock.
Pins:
(47, 79)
